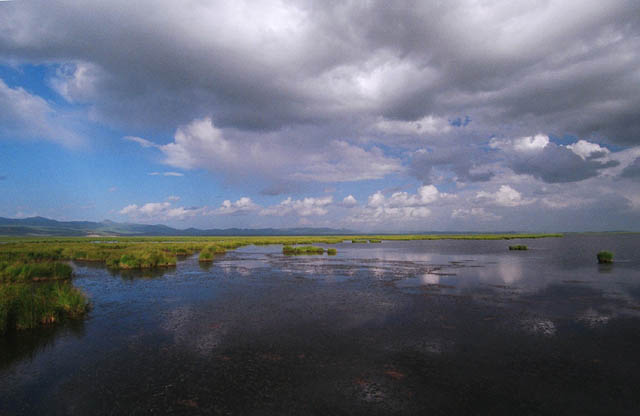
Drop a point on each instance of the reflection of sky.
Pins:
(469, 267)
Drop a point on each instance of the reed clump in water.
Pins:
(605, 257)
(296, 251)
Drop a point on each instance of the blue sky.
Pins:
(287, 113)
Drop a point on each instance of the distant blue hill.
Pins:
(40, 226)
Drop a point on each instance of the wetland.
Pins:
(445, 326)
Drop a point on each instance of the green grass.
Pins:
(289, 250)
(518, 247)
(359, 241)
(375, 241)
(30, 305)
(26, 272)
(332, 251)
(605, 257)
(144, 260)
(208, 253)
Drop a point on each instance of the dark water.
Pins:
(438, 327)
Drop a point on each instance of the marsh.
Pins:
(403, 327)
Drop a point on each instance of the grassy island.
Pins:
(143, 260)
(605, 257)
(296, 251)
(518, 247)
(208, 253)
(332, 251)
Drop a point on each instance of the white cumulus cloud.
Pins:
(506, 196)
(159, 211)
(302, 207)
(202, 145)
(241, 206)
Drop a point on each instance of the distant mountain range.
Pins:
(39, 226)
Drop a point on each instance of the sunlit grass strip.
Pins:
(30, 305)
(274, 239)
(289, 250)
(605, 257)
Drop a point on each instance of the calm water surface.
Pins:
(441, 327)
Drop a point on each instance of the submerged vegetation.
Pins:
(605, 257)
(518, 247)
(296, 251)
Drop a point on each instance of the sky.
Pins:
(461, 115)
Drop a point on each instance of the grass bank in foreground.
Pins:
(29, 305)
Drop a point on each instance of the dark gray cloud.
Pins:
(633, 170)
(558, 164)
(296, 94)
(565, 67)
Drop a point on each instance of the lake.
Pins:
(406, 327)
